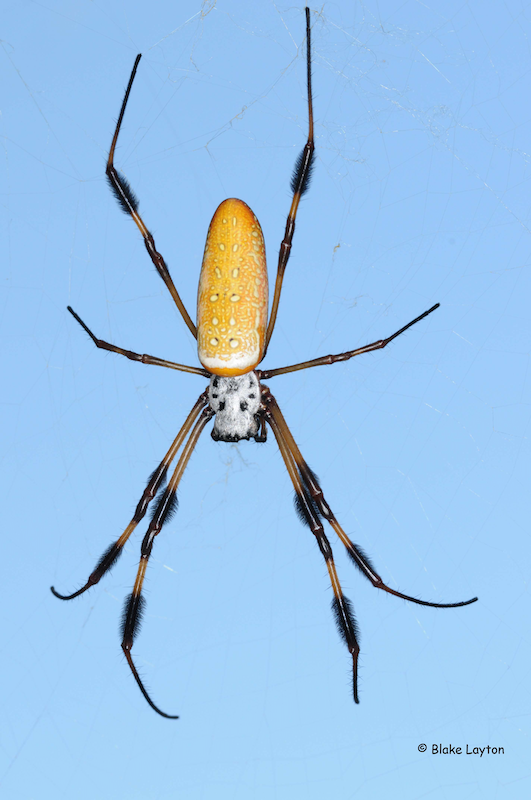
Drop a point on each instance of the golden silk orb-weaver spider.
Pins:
(233, 333)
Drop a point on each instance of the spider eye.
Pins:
(221, 405)
(244, 406)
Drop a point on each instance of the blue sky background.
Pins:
(421, 194)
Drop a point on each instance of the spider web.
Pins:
(420, 195)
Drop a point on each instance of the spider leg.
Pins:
(310, 515)
(316, 494)
(134, 604)
(129, 204)
(332, 359)
(299, 184)
(144, 359)
(156, 480)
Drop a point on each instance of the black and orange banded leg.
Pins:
(135, 603)
(156, 481)
(266, 374)
(316, 494)
(129, 204)
(142, 357)
(299, 184)
(310, 515)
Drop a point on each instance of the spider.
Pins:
(233, 333)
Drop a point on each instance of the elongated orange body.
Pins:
(232, 299)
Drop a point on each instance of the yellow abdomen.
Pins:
(232, 299)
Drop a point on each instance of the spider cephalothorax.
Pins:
(236, 402)
(233, 334)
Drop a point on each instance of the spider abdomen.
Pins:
(232, 299)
